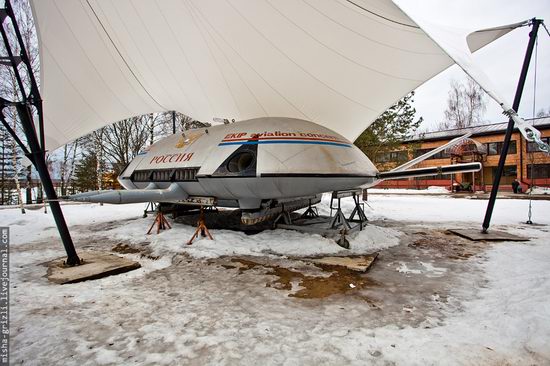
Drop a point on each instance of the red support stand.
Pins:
(161, 222)
(201, 228)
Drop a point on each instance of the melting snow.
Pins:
(494, 311)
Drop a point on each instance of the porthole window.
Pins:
(240, 162)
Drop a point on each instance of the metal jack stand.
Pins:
(150, 208)
(358, 210)
(284, 215)
(29, 105)
(339, 218)
(201, 228)
(311, 212)
(519, 90)
(336, 227)
(160, 221)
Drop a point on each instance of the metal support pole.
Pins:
(34, 149)
(39, 159)
(510, 129)
(174, 122)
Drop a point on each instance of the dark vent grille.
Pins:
(142, 176)
(181, 175)
(166, 175)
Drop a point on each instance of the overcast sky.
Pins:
(501, 60)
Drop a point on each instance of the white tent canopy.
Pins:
(339, 63)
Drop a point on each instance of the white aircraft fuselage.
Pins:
(252, 161)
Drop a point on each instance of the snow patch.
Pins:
(428, 191)
(271, 242)
(403, 268)
(539, 190)
(435, 271)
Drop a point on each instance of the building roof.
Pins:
(489, 129)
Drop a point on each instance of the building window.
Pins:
(539, 171)
(393, 156)
(533, 147)
(495, 148)
(492, 148)
(382, 157)
(439, 155)
(420, 152)
(509, 173)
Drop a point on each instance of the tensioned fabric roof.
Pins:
(339, 63)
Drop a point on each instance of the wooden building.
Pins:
(524, 161)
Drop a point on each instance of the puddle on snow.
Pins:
(336, 280)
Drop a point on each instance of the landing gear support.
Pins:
(201, 228)
(311, 212)
(150, 208)
(337, 227)
(161, 222)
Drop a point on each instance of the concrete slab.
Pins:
(359, 264)
(95, 265)
(492, 235)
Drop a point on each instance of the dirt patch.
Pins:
(446, 244)
(125, 249)
(144, 251)
(245, 264)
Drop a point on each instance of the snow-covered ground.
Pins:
(539, 190)
(431, 298)
(429, 190)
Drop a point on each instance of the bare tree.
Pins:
(188, 123)
(7, 172)
(17, 169)
(159, 125)
(99, 149)
(67, 164)
(182, 122)
(123, 140)
(9, 88)
(4, 169)
(466, 105)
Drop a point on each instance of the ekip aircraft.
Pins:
(256, 165)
